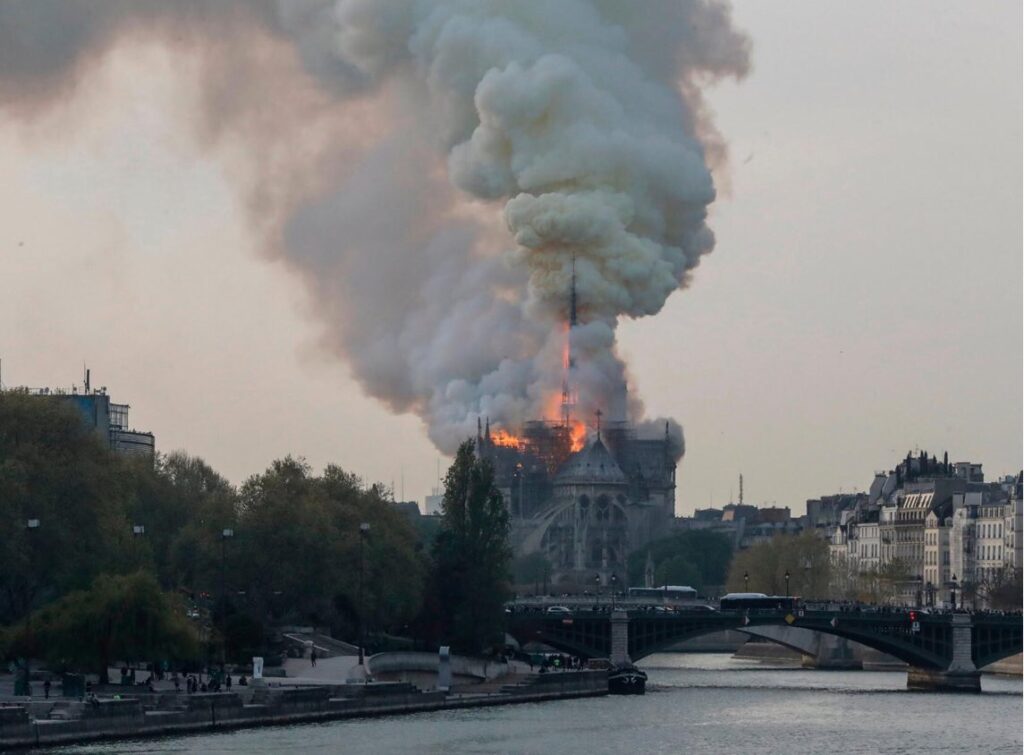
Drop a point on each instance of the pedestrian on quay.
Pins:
(46, 688)
(312, 657)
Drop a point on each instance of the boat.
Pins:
(626, 680)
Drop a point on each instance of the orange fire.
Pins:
(501, 437)
(578, 433)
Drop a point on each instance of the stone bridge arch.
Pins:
(942, 651)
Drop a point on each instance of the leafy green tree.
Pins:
(531, 571)
(708, 553)
(805, 557)
(119, 618)
(57, 471)
(472, 554)
(678, 570)
(298, 552)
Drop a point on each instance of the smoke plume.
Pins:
(434, 171)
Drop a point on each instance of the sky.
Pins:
(863, 298)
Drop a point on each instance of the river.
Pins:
(695, 704)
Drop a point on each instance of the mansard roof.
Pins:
(594, 464)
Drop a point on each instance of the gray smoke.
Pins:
(459, 156)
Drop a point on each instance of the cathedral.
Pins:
(584, 509)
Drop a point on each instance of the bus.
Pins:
(666, 592)
(756, 600)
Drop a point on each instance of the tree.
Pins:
(678, 570)
(531, 571)
(707, 553)
(119, 618)
(55, 469)
(297, 546)
(804, 557)
(472, 555)
(1004, 593)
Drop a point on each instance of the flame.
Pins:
(501, 437)
(578, 434)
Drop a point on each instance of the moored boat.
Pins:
(626, 680)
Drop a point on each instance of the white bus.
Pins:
(666, 592)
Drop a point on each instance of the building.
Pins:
(937, 523)
(1013, 527)
(584, 510)
(107, 419)
(937, 571)
(433, 503)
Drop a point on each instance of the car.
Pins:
(558, 610)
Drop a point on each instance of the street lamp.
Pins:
(930, 592)
(746, 582)
(225, 534)
(952, 593)
(364, 532)
(615, 579)
(597, 590)
(787, 582)
(30, 526)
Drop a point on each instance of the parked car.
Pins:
(558, 609)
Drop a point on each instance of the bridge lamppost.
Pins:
(614, 580)
(597, 590)
(746, 581)
(364, 532)
(952, 593)
(787, 582)
(226, 534)
(30, 528)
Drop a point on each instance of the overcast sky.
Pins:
(864, 297)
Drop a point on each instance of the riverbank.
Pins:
(76, 722)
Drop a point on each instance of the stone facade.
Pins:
(586, 511)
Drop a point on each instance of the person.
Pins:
(243, 681)
(227, 681)
(312, 657)
(46, 688)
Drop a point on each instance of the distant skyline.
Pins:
(864, 297)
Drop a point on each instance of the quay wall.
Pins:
(272, 706)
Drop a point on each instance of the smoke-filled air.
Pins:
(438, 173)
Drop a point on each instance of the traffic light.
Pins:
(913, 616)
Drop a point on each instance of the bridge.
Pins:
(942, 651)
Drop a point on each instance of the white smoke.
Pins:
(580, 123)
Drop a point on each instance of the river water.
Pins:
(695, 704)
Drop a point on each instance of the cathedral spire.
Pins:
(572, 297)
